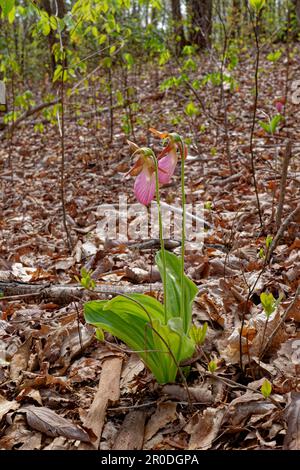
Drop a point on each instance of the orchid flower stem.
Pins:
(183, 235)
(161, 237)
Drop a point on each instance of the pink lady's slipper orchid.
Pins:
(168, 158)
(144, 170)
(279, 104)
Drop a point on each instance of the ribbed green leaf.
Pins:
(127, 319)
(173, 268)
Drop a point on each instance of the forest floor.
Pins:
(60, 387)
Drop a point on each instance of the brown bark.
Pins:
(53, 7)
(296, 4)
(179, 36)
(200, 16)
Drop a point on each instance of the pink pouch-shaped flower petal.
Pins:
(144, 187)
(166, 167)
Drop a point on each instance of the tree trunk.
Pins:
(53, 7)
(200, 17)
(179, 36)
(236, 19)
(297, 9)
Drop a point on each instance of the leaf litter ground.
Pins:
(60, 388)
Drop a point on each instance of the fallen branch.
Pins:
(27, 114)
(64, 294)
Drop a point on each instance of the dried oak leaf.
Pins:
(48, 422)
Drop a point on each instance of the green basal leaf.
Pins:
(171, 337)
(137, 304)
(137, 320)
(133, 330)
(266, 126)
(274, 123)
(173, 289)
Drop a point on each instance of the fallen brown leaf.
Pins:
(131, 434)
(48, 422)
(6, 406)
(164, 414)
(108, 393)
(19, 361)
(204, 429)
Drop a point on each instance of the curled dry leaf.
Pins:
(131, 370)
(17, 434)
(292, 438)
(66, 342)
(19, 361)
(205, 428)
(164, 414)
(244, 407)
(48, 422)
(200, 394)
(6, 406)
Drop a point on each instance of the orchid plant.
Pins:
(162, 334)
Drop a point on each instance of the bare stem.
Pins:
(256, 26)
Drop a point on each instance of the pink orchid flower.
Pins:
(144, 170)
(168, 158)
(279, 104)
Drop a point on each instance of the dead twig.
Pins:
(285, 165)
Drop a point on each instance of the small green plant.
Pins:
(198, 334)
(208, 205)
(86, 280)
(266, 388)
(271, 126)
(274, 56)
(212, 366)
(262, 252)
(268, 302)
